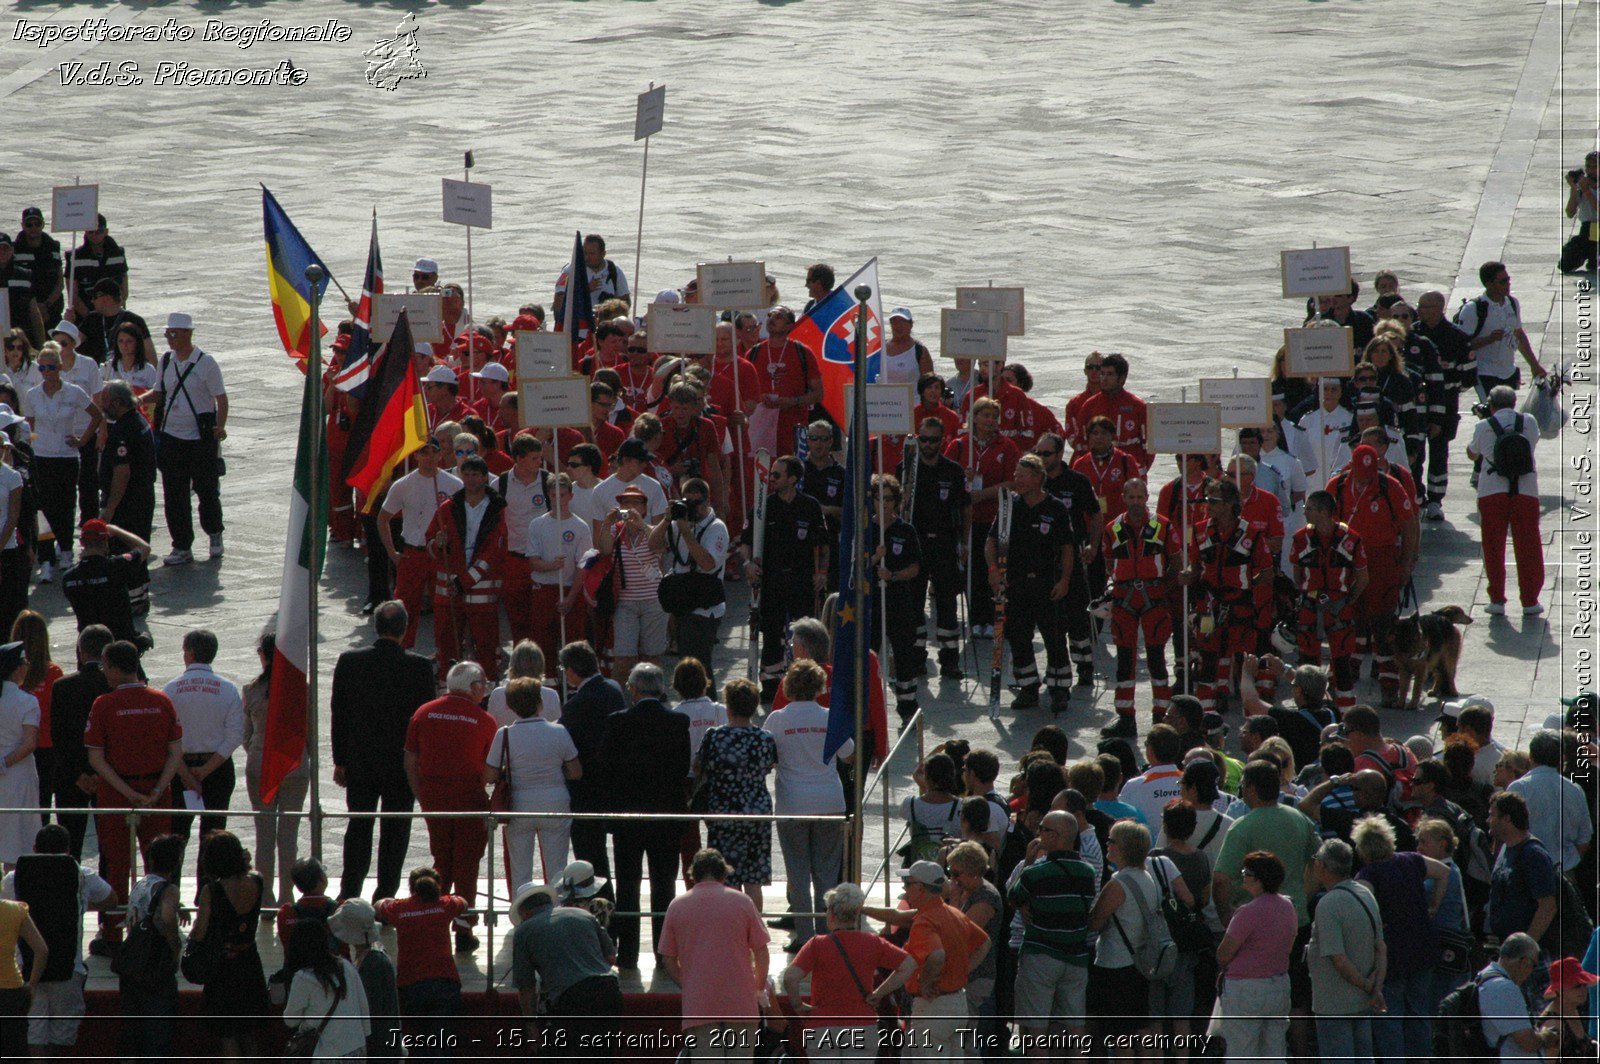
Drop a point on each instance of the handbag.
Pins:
(202, 958)
(1186, 926)
(500, 797)
(302, 1045)
(1455, 951)
(145, 961)
(692, 590)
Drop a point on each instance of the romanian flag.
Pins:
(284, 743)
(830, 331)
(392, 420)
(288, 255)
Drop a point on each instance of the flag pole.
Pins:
(472, 388)
(861, 474)
(314, 275)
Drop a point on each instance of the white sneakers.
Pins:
(1495, 609)
(216, 544)
(178, 557)
(1433, 512)
(47, 572)
(1532, 611)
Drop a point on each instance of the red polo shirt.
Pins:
(451, 737)
(133, 725)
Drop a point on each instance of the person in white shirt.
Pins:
(415, 497)
(1493, 324)
(325, 987)
(62, 417)
(813, 853)
(537, 757)
(211, 711)
(557, 541)
(694, 540)
(191, 408)
(527, 661)
(692, 682)
(526, 488)
(633, 461)
(583, 464)
(1317, 439)
(604, 277)
(15, 567)
(1509, 502)
(1578, 255)
(1162, 781)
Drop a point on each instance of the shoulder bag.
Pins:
(302, 1045)
(500, 797)
(202, 954)
(1186, 926)
(692, 590)
(1157, 955)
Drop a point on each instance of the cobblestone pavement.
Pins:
(1137, 165)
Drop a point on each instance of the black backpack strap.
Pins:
(1216, 826)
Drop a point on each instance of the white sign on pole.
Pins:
(1315, 272)
(1009, 301)
(648, 115)
(974, 334)
(733, 285)
(468, 203)
(422, 309)
(1320, 352)
(1183, 428)
(554, 402)
(681, 328)
(889, 408)
(1246, 401)
(74, 208)
(542, 354)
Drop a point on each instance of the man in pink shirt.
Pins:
(721, 989)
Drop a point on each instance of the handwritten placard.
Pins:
(469, 203)
(1329, 352)
(1183, 428)
(74, 208)
(889, 408)
(681, 328)
(733, 285)
(649, 113)
(1009, 301)
(542, 354)
(976, 334)
(423, 310)
(1315, 272)
(1246, 402)
(554, 402)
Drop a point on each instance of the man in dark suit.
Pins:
(70, 701)
(375, 692)
(594, 698)
(643, 761)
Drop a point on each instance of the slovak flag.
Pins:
(830, 331)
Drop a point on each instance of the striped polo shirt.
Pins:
(1059, 892)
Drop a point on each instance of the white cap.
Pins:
(669, 295)
(928, 873)
(69, 329)
(494, 371)
(179, 320)
(441, 375)
(1554, 722)
(8, 417)
(1452, 710)
(900, 312)
(426, 266)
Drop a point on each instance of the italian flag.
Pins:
(285, 742)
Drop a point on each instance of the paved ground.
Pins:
(1136, 165)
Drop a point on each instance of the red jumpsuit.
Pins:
(1108, 475)
(450, 739)
(790, 370)
(467, 593)
(1019, 421)
(1138, 557)
(1230, 565)
(1378, 514)
(1073, 422)
(1127, 413)
(1326, 572)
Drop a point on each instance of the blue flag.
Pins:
(577, 314)
(842, 689)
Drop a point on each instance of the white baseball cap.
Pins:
(1452, 710)
(425, 266)
(441, 375)
(494, 371)
(928, 873)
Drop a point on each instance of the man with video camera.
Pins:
(695, 543)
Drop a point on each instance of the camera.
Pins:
(1575, 175)
(1480, 410)
(680, 510)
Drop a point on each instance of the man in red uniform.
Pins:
(1072, 420)
(791, 381)
(447, 742)
(1016, 409)
(1183, 500)
(1261, 510)
(1330, 571)
(1379, 509)
(491, 383)
(689, 443)
(990, 460)
(440, 388)
(1108, 468)
(1228, 562)
(1122, 407)
(1137, 551)
(135, 744)
(603, 433)
(467, 541)
(340, 409)
(736, 404)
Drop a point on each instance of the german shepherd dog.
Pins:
(1428, 646)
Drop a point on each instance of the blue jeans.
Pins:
(1344, 1039)
(1406, 1030)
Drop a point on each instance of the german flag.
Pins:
(288, 255)
(392, 421)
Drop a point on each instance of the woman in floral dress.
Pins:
(732, 765)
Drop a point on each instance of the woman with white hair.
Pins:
(355, 924)
(843, 1011)
(1410, 889)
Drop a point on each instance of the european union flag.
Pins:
(842, 689)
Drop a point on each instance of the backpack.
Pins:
(925, 841)
(1186, 926)
(1570, 930)
(1399, 777)
(1458, 1029)
(1512, 454)
(1482, 305)
(1157, 955)
(145, 960)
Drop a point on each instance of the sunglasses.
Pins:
(1046, 454)
(639, 350)
(33, 224)
(572, 465)
(14, 345)
(930, 439)
(464, 454)
(48, 368)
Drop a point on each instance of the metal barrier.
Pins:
(490, 913)
(881, 781)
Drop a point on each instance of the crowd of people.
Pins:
(1329, 887)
